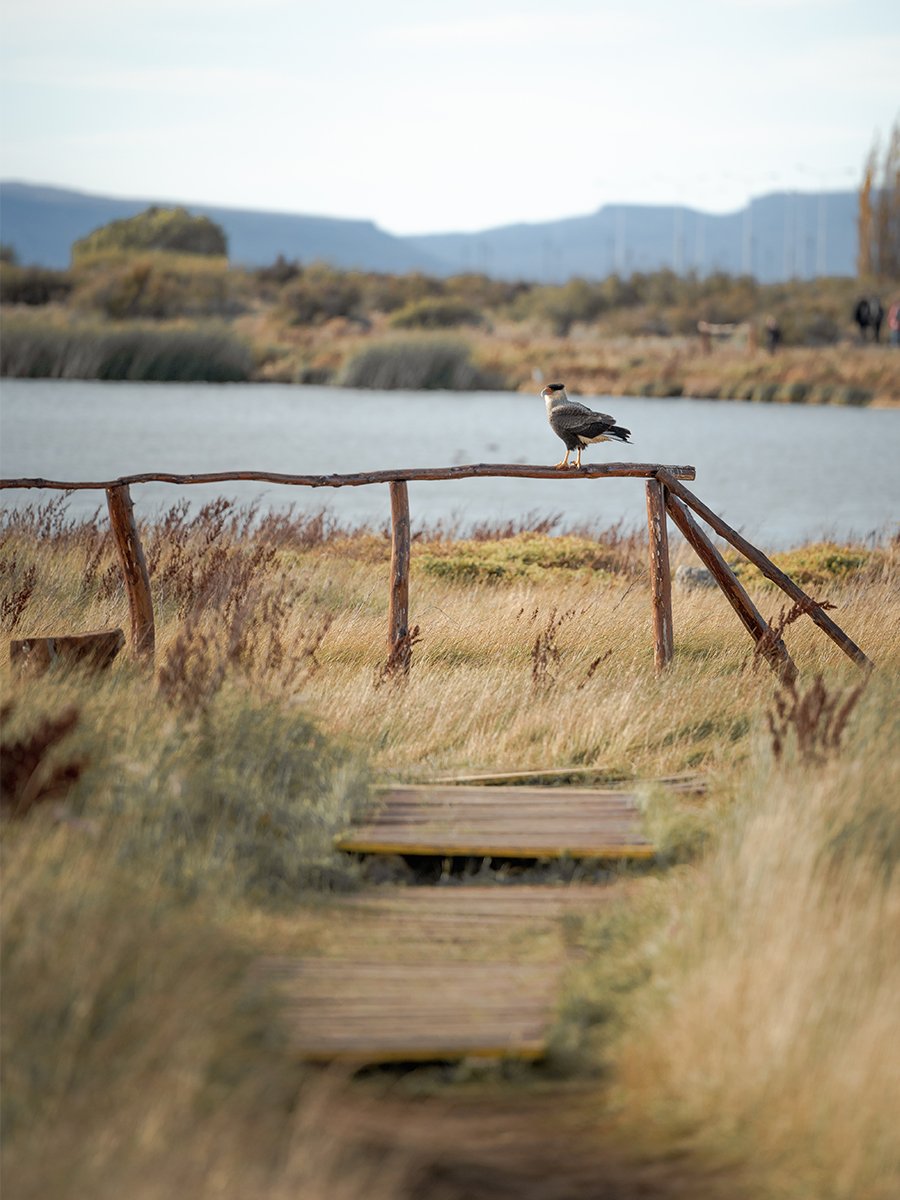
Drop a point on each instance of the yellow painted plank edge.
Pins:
(528, 1051)
(479, 850)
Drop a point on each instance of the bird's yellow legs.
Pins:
(563, 465)
(578, 459)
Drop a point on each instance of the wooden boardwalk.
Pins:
(418, 973)
(399, 990)
(501, 822)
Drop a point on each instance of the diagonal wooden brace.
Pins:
(773, 649)
(767, 567)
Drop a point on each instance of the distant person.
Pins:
(894, 323)
(861, 316)
(773, 334)
(869, 314)
(876, 317)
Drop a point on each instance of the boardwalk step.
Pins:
(500, 822)
(380, 1012)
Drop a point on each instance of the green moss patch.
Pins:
(524, 555)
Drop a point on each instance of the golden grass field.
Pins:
(729, 1021)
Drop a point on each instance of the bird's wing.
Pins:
(576, 418)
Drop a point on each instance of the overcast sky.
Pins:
(439, 116)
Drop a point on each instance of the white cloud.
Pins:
(517, 28)
(202, 79)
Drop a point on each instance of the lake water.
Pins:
(781, 474)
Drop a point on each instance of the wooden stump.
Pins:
(93, 650)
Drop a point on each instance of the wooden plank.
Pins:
(767, 567)
(134, 572)
(687, 781)
(660, 575)
(471, 471)
(398, 613)
(373, 1011)
(774, 650)
(500, 823)
(477, 901)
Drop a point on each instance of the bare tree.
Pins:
(879, 212)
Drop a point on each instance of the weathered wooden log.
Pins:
(660, 575)
(773, 649)
(398, 616)
(475, 470)
(767, 567)
(134, 572)
(94, 650)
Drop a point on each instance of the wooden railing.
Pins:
(666, 495)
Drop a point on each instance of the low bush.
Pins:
(436, 314)
(525, 555)
(318, 295)
(159, 287)
(33, 286)
(173, 229)
(417, 365)
(820, 564)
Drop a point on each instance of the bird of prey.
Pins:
(577, 424)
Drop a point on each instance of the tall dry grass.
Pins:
(767, 1034)
(740, 1003)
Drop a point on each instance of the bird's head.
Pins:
(553, 394)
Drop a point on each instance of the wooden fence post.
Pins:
(398, 616)
(773, 649)
(660, 575)
(134, 572)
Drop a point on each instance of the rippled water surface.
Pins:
(782, 474)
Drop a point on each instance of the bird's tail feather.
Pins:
(620, 434)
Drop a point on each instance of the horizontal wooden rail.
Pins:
(400, 475)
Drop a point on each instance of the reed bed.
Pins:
(137, 352)
(735, 1012)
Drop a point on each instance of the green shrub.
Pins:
(854, 396)
(436, 314)
(765, 393)
(417, 365)
(172, 229)
(33, 286)
(159, 287)
(792, 393)
(281, 271)
(562, 306)
(819, 564)
(319, 295)
(661, 388)
(524, 555)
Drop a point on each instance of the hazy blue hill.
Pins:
(43, 222)
(775, 237)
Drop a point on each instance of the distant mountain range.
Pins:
(775, 237)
